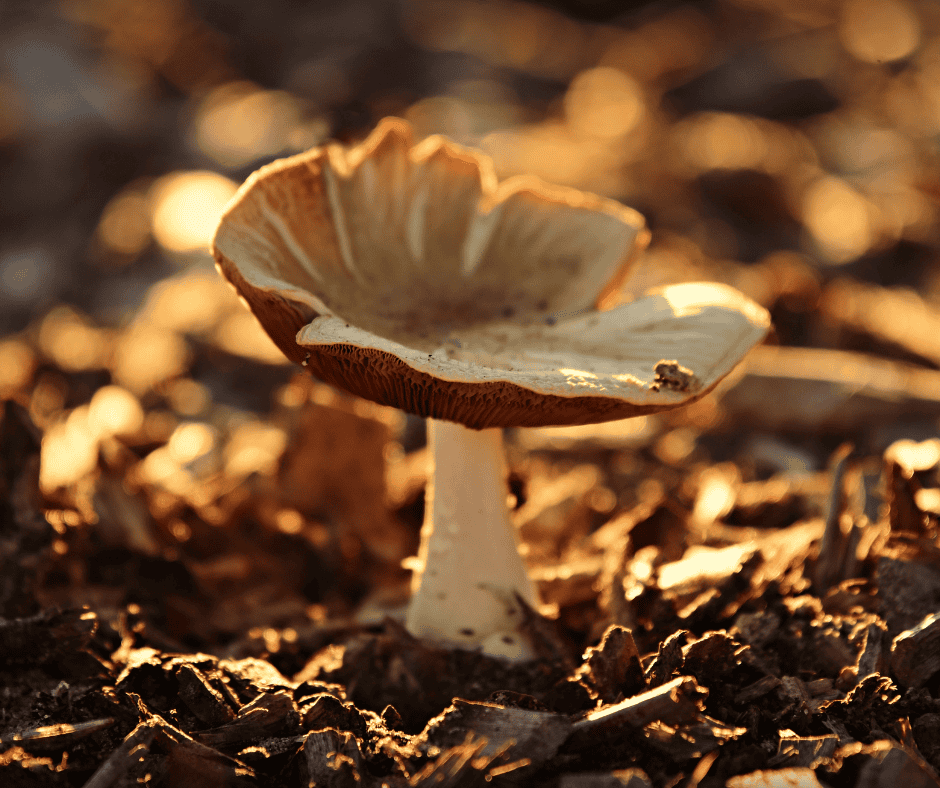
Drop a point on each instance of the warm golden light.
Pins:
(241, 334)
(700, 562)
(716, 494)
(238, 123)
(838, 217)
(190, 441)
(254, 448)
(17, 364)
(603, 102)
(289, 521)
(125, 225)
(146, 355)
(915, 456)
(186, 207)
(471, 109)
(187, 397)
(551, 151)
(191, 302)
(879, 31)
(159, 467)
(115, 411)
(71, 341)
(578, 374)
(69, 451)
(719, 140)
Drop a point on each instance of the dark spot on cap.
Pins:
(673, 376)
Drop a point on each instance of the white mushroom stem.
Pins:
(469, 568)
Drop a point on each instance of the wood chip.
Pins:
(908, 590)
(202, 699)
(534, 735)
(887, 764)
(270, 714)
(55, 738)
(325, 711)
(915, 653)
(676, 701)
(192, 763)
(757, 690)
(780, 778)
(330, 758)
(131, 751)
(612, 669)
(804, 751)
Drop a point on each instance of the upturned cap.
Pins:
(406, 274)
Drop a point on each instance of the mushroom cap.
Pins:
(406, 274)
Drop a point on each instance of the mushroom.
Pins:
(406, 274)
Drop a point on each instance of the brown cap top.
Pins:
(409, 276)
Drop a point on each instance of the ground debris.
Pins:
(613, 669)
(519, 733)
(790, 777)
(885, 762)
(330, 758)
(52, 738)
(804, 751)
(915, 653)
(270, 715)
(676, 701)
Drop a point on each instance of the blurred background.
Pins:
(796, 133)
(788, 147)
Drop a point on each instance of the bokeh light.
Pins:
(839, 219)
(603, 102)
(190, 302)
(238, 123)
(17, 364)
(146, 355)
(69, 451)
(115, 411)
(191, 441)
(72, 341)
(254, 447)
(241, 334)
(124, 228)
(720, 140)
(879, 31)
(186, 207)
